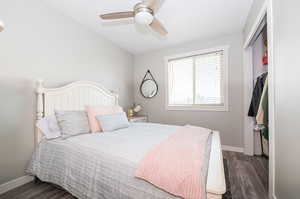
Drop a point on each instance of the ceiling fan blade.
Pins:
(117, 15)
(158, 27)
(150, 3)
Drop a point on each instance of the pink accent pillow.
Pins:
(93, 111)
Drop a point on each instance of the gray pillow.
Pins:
(113, 122)
(72, 122)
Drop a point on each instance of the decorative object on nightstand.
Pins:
(130, 112)
(137, 108)
(134, 110)
(138, 118)
(148, 87)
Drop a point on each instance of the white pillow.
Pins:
(72, 123)
(113, 122)
(49, 127)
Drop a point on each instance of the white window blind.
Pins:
(197, 80)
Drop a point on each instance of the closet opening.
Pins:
(259, 93)
(258, 108)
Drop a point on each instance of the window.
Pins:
(197, 80)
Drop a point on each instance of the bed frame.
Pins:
(76, 95)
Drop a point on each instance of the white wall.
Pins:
(230, 123)
(287, 98)
(40, 42)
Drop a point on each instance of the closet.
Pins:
(259, 93)
(258, 108)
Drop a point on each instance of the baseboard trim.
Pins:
(232, 148)
(15, 183)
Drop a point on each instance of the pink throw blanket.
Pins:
(175, 164)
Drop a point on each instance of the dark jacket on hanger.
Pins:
(256, 95)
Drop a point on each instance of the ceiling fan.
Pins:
(143, 13)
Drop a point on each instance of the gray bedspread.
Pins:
(102, 165)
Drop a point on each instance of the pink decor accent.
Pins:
(93, 111)
(175, 164)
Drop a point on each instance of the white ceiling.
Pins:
(186, 20)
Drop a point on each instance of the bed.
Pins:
(102, 165)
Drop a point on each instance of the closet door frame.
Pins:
(266, 10)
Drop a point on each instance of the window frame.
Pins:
(224, 81)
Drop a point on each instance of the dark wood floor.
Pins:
(248, 178)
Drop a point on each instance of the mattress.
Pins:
(102, 165)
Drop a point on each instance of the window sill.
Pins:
(222, 108)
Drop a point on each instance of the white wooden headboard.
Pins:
(73, 96)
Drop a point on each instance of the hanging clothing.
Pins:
(262, 116)
(256, 95)
(262, 113)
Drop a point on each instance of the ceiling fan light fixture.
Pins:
(143, 13)
(143, 17)
(1, 26)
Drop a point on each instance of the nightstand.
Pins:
(138, 118)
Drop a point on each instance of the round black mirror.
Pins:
(149, 87)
